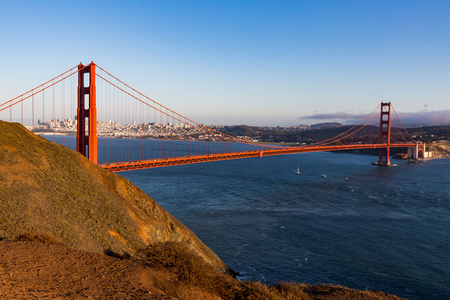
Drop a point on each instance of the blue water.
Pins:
(361, 226)
(119, 150)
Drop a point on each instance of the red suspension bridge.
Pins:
(121, 129)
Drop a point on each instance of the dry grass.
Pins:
(291, 291)
(44, 238)
(188, 276)
(337, 292)
(187, 272)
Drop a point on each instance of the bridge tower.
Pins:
(385, 134)
(87, 112)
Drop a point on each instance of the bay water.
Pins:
(361, 226)
(340, 221)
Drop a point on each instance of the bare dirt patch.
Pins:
(30, 270)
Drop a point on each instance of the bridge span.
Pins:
(174, 161)
(108, 107)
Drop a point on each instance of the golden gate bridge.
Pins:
(152, 135)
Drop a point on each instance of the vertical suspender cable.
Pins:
(63, 99)
(100, 107)
(116, 154)
(185, 137)
(135, 130)
(72, 102)
(140, 128)
(43, 114)
(32, 112)
(156, 134)
(148, 133)
(124, 115)
(174, 132)
(54, 113)
(119, 120)
(161, 121)
(123, 121)
(170, 134)
(129, 115)
(196, 140)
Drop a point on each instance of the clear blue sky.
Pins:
(241, 62)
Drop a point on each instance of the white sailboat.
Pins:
(298, 171)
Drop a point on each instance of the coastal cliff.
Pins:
(46, 188)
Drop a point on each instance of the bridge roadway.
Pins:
(174, 161)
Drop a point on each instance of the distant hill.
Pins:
(430, 133)
(325, 125)
(46, 188)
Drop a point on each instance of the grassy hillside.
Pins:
(47, 188)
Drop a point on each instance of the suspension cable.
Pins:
(179, 116)
(331, 139)
(402, 124)
(34, 93)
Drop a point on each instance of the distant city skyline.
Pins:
(425, 118)
(259, 63)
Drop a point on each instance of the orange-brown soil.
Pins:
(30, 270)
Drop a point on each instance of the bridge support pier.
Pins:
(87, 113)
(417, 152)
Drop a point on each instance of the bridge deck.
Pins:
(165, 162)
